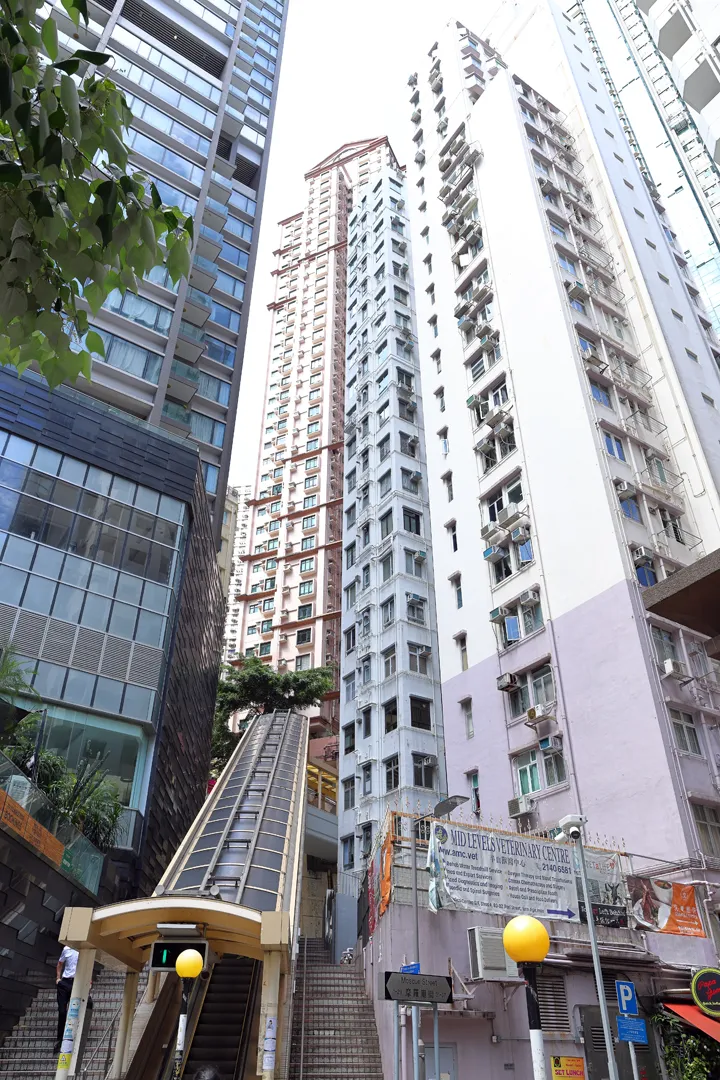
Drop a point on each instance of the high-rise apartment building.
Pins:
(239, 547)
(201, 80)
(391, 747)
(571, 394)
(293, 581)
(227, 539)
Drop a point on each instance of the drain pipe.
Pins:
(403, 1043)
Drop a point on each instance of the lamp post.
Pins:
(445, 806)
(188, 965)
(527, 942)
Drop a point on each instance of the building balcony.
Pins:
(175, 417)
(197, 307)
(184, 381)
(663, 484)
(190, 342)
(678, 544)
(221, 187)
(608, 294)
(600, 259)
(203, 273)
(634, 378)
(214, 214)
(209, 243)
(647, 430)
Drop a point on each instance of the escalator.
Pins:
(222, 1032)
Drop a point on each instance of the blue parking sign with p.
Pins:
(627, 1000)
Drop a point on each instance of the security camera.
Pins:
(571, 827)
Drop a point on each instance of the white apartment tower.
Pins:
(572, 395)
(237, 573)
(391, 746)
(290, 607)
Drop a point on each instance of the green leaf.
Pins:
(49, 36)
(108, 194)
(19, 60)
(10, 34)
(189, 227)
(6, 87)
(40, 204)
(72, 10)
(105, 225)
(97, 58)
(94, 343)
(155, 194)
(52, 150)
(77, 196)
(71, 103)
(23, 115)
(178, 262)
(95, 297)
(70, 66)
(10, 173)
(57, 119)
(117, 151)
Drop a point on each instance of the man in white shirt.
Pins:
(64, 976)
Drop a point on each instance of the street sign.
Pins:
(401, 986)
(632, 1029)
(165, 953)
(627, 999)
(410, 969)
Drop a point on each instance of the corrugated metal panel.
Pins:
(552, 998)
(59, 641)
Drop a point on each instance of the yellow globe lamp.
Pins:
(189, 964)
(526, 941)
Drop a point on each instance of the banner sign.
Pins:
(665, 906)
(480, 870)
(608, 895)
(705, 989)
(565, 1068)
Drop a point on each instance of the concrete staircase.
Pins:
(341, 1040)
(27, 1053)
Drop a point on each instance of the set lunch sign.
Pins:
(705, 989)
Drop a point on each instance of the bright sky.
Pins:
(345, 78)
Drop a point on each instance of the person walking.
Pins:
(207, 1072)
(64, 976)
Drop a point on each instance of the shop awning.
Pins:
(692, 1015)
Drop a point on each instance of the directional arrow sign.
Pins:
(400, 986)
(561, 913)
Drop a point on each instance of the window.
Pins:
(527, 776)
(708, 400)
(350, 688)
(349, 640)
(664, 644)
(389, 664)
(350, 595)
(631, 508)
(366, 723)
(303, 637)
(387, 611)
(385, 483)
(600, 394)
(467, 712)
(348, 852)
(305, 611)
(386, 524)
(554, 765)
(384, 448)
(366, 839)
(349, 738)
(418, 656)
(391, 716)
(367, 779)
(685, 732)
(302, 663)
(412, 521)
(456, 582)
(451, 530)
(392, 774)
(461, 642)
(423, 771)
(413, 563)
(707, 819)
(474, 792)
(350, 556)
(420, 714)
(386, 567)
(447, 481)
(416, 611)
(614, 446)
(306, 588)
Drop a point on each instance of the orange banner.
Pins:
(567, 1068)
(14, 815)
(665, 906)
(385, 874)
(53, 848)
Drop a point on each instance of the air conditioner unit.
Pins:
(536, 713)
(503, 430)
(494, 554)
(420, 556)
(414, 596)
(499, 614)
(590, 353)
(521, 806)
(485, 445)
(676, 668)
(643, 556)
(284, 613)
(417, 476)
(507, 682)
(509, 515)
(425, 651)
(491, 529)
(488, 959)
(551, 742)
(529, 597)
(521, 534)
(575, 289)
(624, 489)
(283, 637)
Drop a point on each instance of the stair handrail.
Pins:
(302, 1015)
(101, 1043)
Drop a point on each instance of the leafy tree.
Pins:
(689, 1055)
(13, 684)
(255, 686)
(74, 223)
